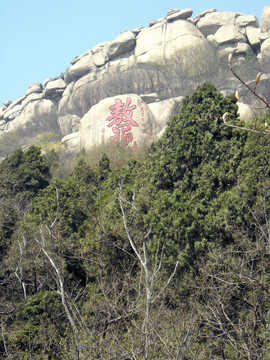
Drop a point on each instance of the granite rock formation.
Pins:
(151, 68)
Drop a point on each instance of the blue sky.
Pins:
(39, 38)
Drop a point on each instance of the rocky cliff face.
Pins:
(126, 89)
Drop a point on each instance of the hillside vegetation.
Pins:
(160, 254)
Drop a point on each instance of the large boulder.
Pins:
(253, 36)
(119, 64)
(34, 88)
(266, 48)
(13, 109)
(245, 112)
(100, 54)
(228, 34)
(163, 110)
(264, 36)
(70, 142)
(32, 97)
(123, 119)
(265, 51)
(12, 113)
(39, 115)
(176, 14)
(202, 14)
(265, 19)
(75, 98)
(54, 88)
(242, 21)
(122, 44)
(212, 21)
(167, 41)
(80, 67)
(64, 101)
(78, 58)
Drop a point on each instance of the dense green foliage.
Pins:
(73, 285)
(22, 175)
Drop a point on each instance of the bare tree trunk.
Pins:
(150, 274)
(53, 261)
(18, 271)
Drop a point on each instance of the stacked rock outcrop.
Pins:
(63, 103)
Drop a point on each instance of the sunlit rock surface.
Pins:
(153, 66)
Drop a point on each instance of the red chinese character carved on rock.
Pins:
(121, 122)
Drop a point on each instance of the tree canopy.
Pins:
(182, 232)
